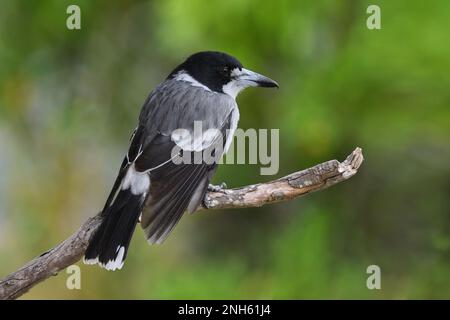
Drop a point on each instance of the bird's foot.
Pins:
(217, 188)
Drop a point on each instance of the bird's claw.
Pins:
(217, 188)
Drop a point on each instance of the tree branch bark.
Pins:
(71, 250)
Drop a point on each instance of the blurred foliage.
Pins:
(70, 99)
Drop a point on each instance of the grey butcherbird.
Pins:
(151, 187)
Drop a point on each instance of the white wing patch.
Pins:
(195, 141)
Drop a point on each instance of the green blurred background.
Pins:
(70, 99)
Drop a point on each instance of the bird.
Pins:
(159, 179)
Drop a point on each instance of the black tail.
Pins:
(109, 245)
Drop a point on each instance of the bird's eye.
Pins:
(224, 70)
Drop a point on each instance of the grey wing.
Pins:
(178, 105)
(176, 187)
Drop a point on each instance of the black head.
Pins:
(219, 72)
(210, 68)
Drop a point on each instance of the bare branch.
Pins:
(292, 186)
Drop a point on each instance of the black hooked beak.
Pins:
(256, 79)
